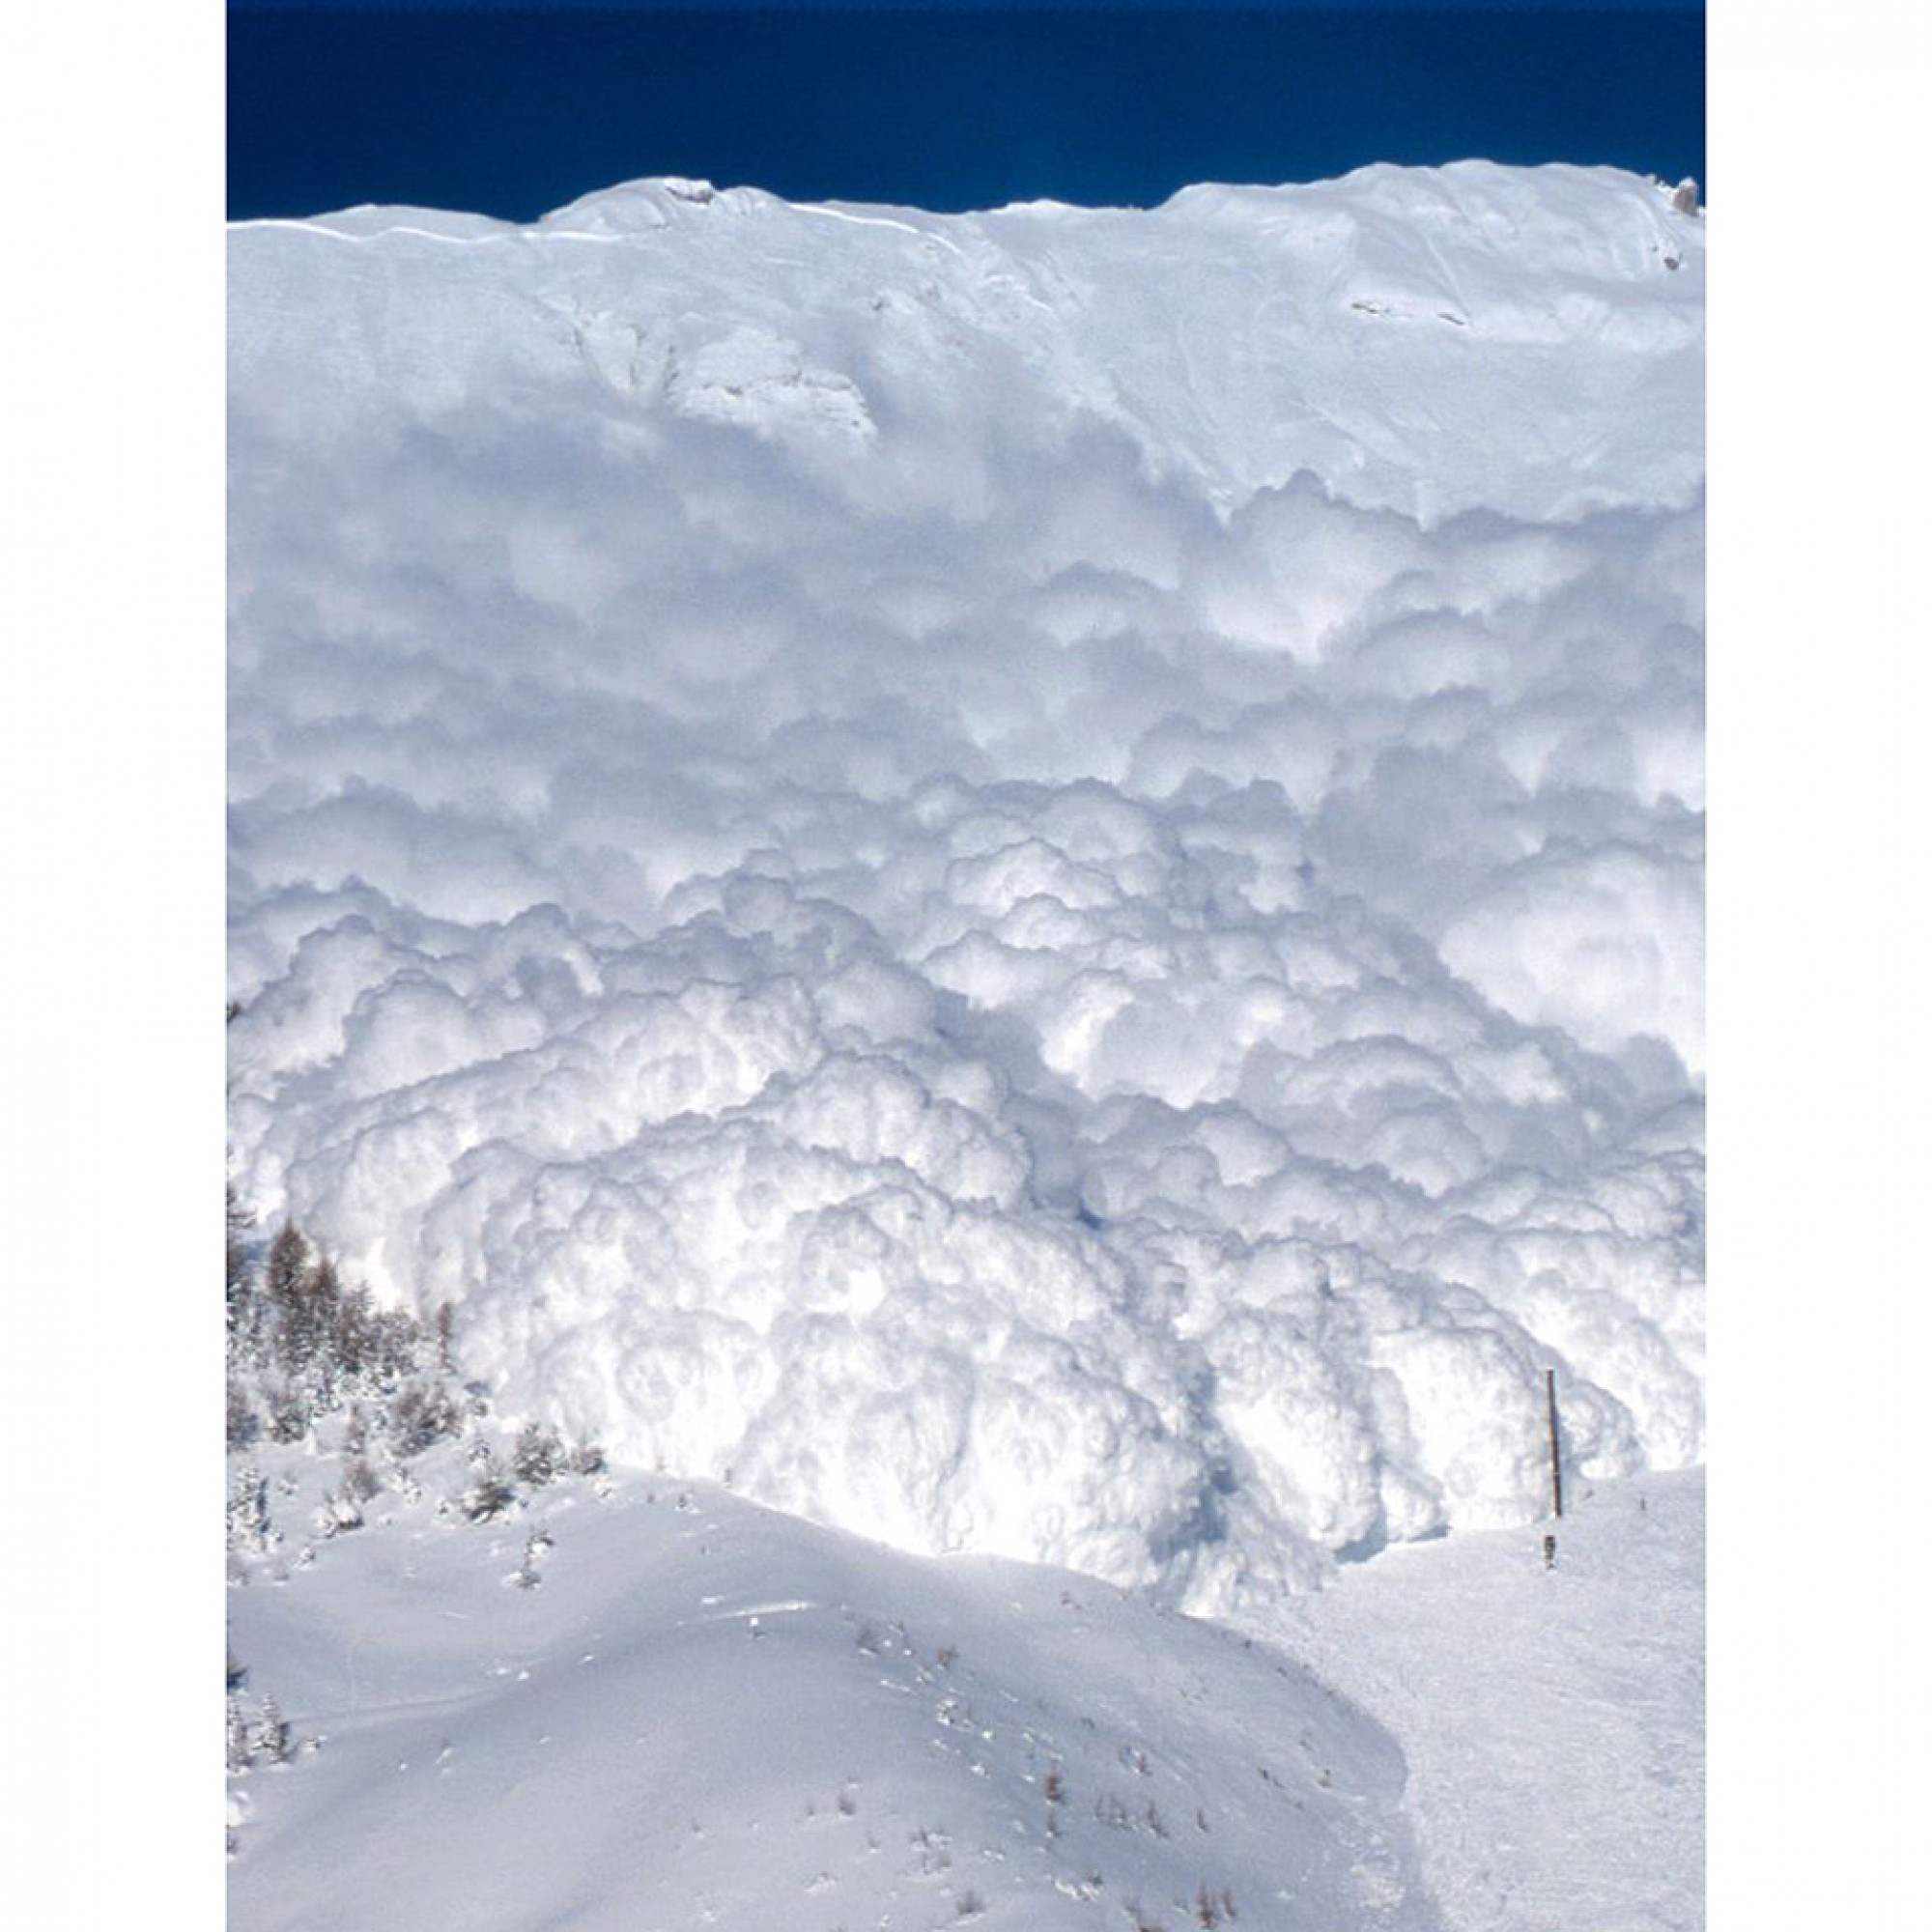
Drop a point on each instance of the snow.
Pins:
(1552, 1721)
(647, 1739)
(1030, 885)
(1434, 339)
(654, 1738)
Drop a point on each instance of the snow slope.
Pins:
(1030, 881)
(708, 1713)
(1552, 1721)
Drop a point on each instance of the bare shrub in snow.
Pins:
(491, 1493)
(538, 1457)
(535, 1547)
(1212, 1909)
(340, 1513)
(422, 1414)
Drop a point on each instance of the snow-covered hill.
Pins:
(1031, 880)
(704, 1713)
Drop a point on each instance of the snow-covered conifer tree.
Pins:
(273, 1739)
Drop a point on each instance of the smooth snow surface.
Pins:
(707, 1714)
(1552, 1721)
(1032, 880)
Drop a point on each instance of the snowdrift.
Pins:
(1031, 881)
(710, 1715)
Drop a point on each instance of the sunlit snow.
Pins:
(1028, 881)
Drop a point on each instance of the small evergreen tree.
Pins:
(308, 1326)
(288, 1267)
(273, 1738)
(241, 1284)
(241, 1737)
(352, 1334)
(244, 1424)
(249, 1527)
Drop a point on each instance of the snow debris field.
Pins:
(1029, 885)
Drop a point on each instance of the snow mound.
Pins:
(1032, 879)
(655, 1739)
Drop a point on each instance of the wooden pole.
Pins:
(1555, 1463)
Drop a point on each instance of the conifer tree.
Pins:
(241, 1737)
(244, 1424)
(273, 1738)
(240, 1289)
(249, 1524)
(287, 1265)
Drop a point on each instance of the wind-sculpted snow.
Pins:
(1032, 880)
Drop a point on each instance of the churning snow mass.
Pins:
(1028, 882)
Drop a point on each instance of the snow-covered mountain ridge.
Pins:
(1427, 340)
(1031, 880)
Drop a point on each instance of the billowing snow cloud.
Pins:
(1033, 879)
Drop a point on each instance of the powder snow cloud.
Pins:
(1034, 879)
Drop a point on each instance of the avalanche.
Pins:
(1027, 884)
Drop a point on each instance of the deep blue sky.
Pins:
(514, 111)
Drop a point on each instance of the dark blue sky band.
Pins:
(514, 111)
